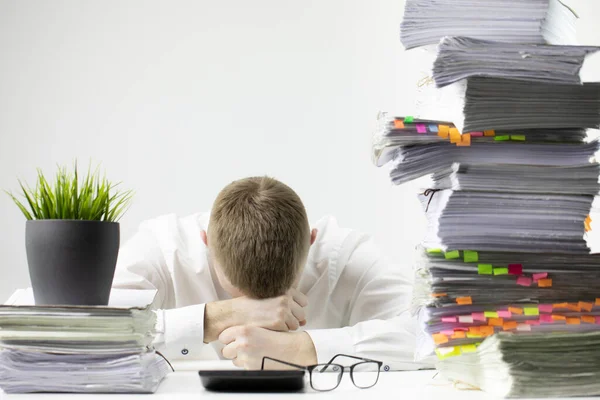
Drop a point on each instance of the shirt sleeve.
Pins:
(380, 325)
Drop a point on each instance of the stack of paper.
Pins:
(514, 21)
(80, 349)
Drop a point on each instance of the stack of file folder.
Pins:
(507, 288)
(79, 349)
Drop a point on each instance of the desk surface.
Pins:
(185, 384)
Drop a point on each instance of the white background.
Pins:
(178, 98)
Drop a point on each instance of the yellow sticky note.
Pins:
(490, 314)
(474, 335)
(531, 311)
(446, 352)
(500, 271)
(468, 348)
(465, 140)
(443, 131)
(454, 135)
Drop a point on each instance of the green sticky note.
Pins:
(471, 256)
(446, 352)
(531, 311)
(468, 348)
(520, 138)
(502, 138)
(451, 255)
(485, 269)
(408, 120)
(500, 271)
(434, 251)
(490, 314)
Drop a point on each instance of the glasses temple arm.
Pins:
(281, 362)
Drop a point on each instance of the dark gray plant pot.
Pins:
(71, 262)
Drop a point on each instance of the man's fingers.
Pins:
(298, 312)
(238, 362)
(229, 334)
(230, 351)
(291, 322)
(299, 298)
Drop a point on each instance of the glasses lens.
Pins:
(326, 376)
(365, 374)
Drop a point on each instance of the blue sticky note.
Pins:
(433, 128)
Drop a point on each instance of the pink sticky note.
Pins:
(448, 332)
(532, 322)
(598, 320)
(515, 269)
(546, 318)
(546, 308)
(421, 128)
(537, 277)
(476, 134)
(448, 319)
(504, 314)
(524, 281)
(478, 316)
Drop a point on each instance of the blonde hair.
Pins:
(260, 236)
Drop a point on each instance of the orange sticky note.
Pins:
(459, 335)
(508, 325)
(516, 310)
(587, 226)
(439, 338)
(465, 140)
(585, 306)
(574, 307)
(463, 301)
(598, 302)
(487, 330)
(557, 317)
(443, 131)
(573, 321)
(560, 305)
(588, 319)
(489, 133)
(496, 321)
(439, 294)
(454, 135)
(398, 124)
(545, 283)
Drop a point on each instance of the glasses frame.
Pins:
(311, 368)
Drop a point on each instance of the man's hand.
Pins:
(247, 345)
(283, 313)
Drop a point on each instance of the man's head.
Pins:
(258, 237)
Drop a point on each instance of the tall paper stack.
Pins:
(510, 252)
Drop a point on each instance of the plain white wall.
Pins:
(178, 98)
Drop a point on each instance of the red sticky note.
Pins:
(398, 124)
(476, 134)
(546, 308)
(515, 269)
(524, 281)
(546, 318)
(541, 275)
(421, 128)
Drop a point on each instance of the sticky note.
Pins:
(448, 332)
(487, 330)
(574, 307)
(461, 328)
(598, 302)
(491, 314)
(524, 281)
(573, 321)
(468, 348)
(478, 317)
(475, 329)
(588, 319)
(531, 311)
(557, 317)
(489, 133)
(408, 120)
(464, 300)
(597, 320)
(439, 338)
(465, 140)
(537, 277)
(496, 321)
(546, 318)
(444, 131)
(532, 322)
(465, 319)
(545, 308)
(500, 271)
(434, 251)
(485, 269)
(433, 128)
(504, 314)
(585, 306)
(502, 138)
(459, 335)
(560, 305)
(454, 135)
(470, 256)
(515, 269)
(510, 325)
(516, 310)
(474, 335)
(446, 352)
(398, 124)
(520, 138)
(545, 283)
(451, 255)
(476, 134)
(421, 128)
(439, 294)
(524, 328)
(448, 319)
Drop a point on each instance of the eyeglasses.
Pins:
(326, 377)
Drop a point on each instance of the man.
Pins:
(253, 280)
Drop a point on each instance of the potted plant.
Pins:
(72, 236)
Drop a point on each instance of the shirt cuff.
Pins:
(182, 332)
(331, 342)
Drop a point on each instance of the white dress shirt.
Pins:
(358, 302)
